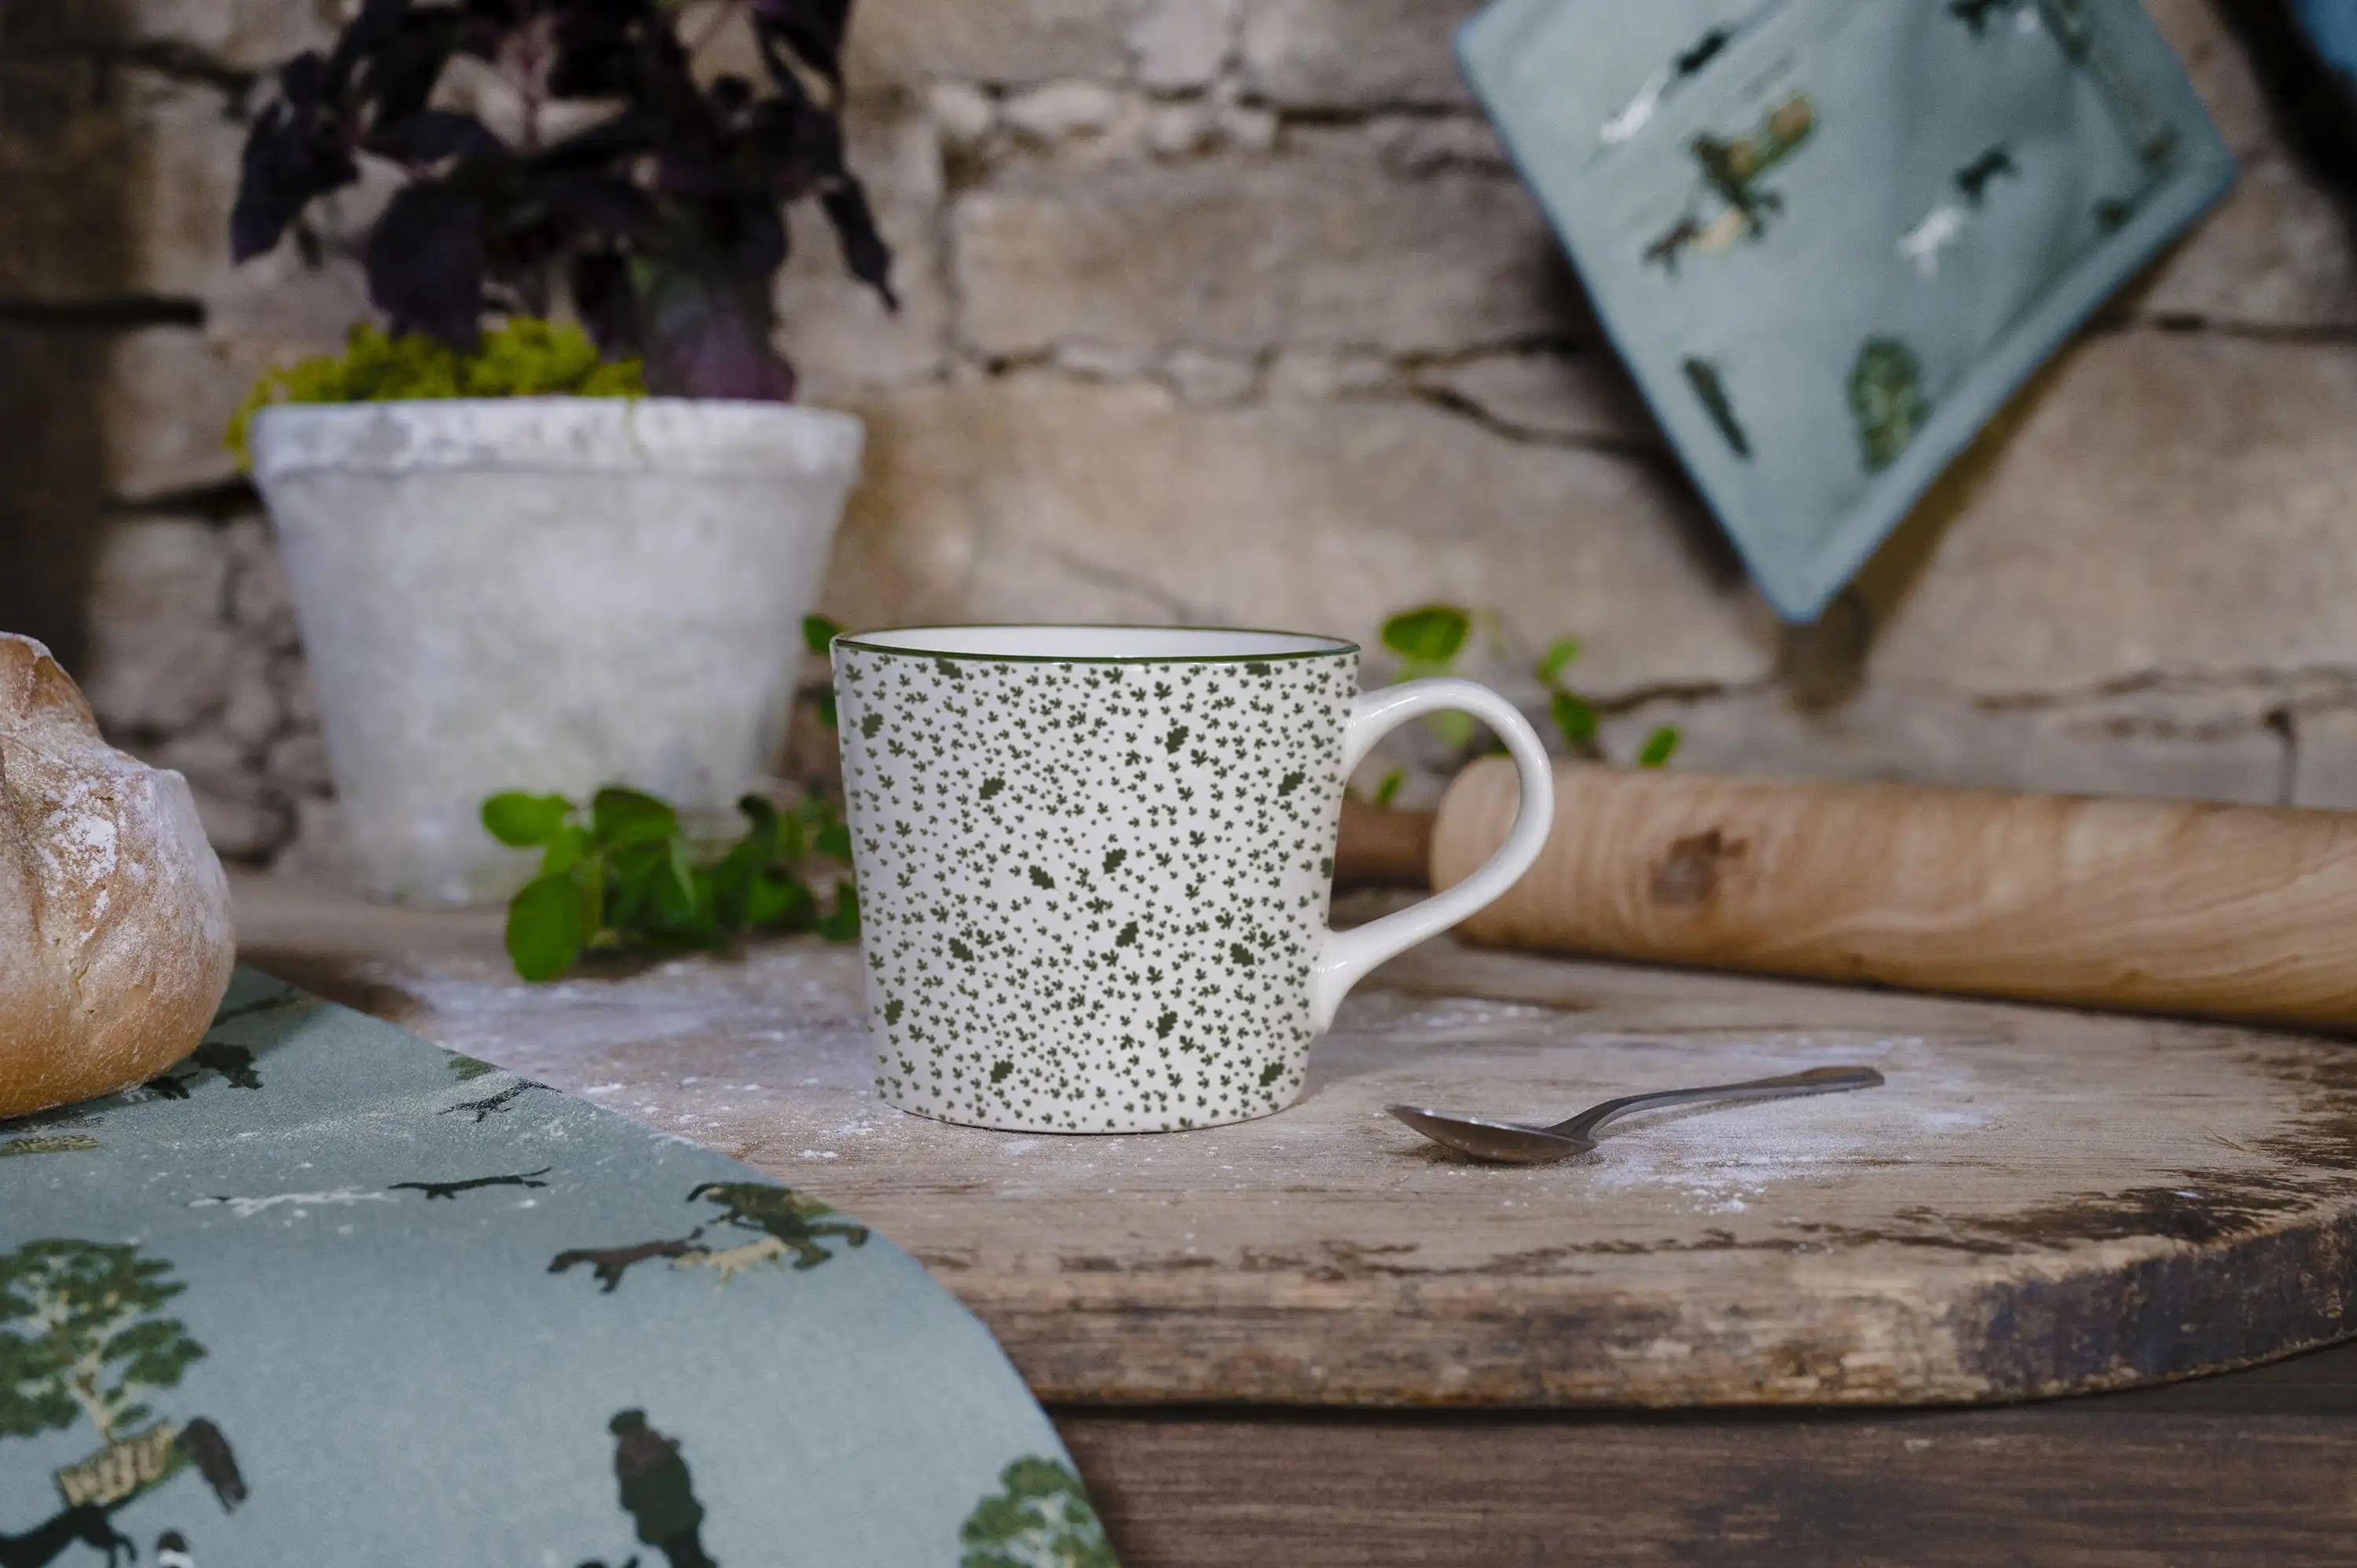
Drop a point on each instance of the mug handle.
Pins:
(1349, 955)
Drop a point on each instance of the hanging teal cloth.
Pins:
(2331, 30)
(1831, 237)
(327, 1295)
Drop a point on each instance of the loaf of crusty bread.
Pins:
(115, 943)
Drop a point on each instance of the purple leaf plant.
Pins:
(662, 223)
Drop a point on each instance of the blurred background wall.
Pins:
(1230, 311)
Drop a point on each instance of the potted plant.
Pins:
(558, 523)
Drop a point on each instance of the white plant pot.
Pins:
(546, 594)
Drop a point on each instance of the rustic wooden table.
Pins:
(1311, 1340)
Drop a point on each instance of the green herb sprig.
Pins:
(1431, 639)
(622, 873)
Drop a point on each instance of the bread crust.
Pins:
(115, 939)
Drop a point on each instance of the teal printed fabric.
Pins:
(1831, 237)
(325, 1293)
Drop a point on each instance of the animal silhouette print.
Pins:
(657, 1492)
(1976, 14)
(783, 1217)
(493, 1104)
(231, 1062)
(89, 1523)
(1735, 203)
(451, 1189)
(234, 1064)
(783, 1221)
(1973, 179)
(202, 1444)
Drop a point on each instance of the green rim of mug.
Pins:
(1341, 647)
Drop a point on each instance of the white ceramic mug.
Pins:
(1094, 863)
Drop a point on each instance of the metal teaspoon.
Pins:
(1515, 1143)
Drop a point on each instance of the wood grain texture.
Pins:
(2078, 1486)
(1382, 848)
(2039, 1202)
(2230, 911)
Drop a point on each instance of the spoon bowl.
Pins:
(1486, 1138)
(1519, 1143)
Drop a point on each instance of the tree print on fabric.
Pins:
(1040, 1518)
(1886, 399)
(82, 1338)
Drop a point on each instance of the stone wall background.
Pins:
(1230, 312)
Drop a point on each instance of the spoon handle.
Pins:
(1816, 1080)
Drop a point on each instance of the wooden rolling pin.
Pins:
(2232, 911)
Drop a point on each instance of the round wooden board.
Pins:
(2037, 1203)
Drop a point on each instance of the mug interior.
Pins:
(1098, 644)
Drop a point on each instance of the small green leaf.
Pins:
(842, 922)
(775, 899)
(631, 873)
(704, 928)
(826, 709)
(628, 816)
(1574, 715)
(773, 835)
(673, 886)
(566, 850)
(638, 879)
(589, 882)
(731, 884)
(1388, 791)
(1660, 747)
(521, 821)
(1432, 634)
(544, 927)
(760, 813)
(818, 632)
(1455, 729)
(791, 843)
(1560, 656)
